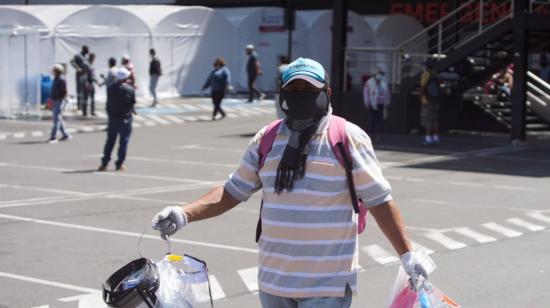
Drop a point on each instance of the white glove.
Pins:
(169, 221)
(417, 265)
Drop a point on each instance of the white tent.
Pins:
(391, 31)
(19, 74)
(42, 17)
(264, 28)
(109, 32)
(359, 34)
(187, 41)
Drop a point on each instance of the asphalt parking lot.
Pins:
(479, 205)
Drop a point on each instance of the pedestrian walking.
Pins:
(283, 63)
(430, 94)
(121, 99)
(79, 63)
(57, 95)
(218, 81)
(126, 63)
(155, 71)
(253, 70)
(376, 97)
(308, 227)
(91, 81)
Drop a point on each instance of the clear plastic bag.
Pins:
(402, 296)
(183, 283)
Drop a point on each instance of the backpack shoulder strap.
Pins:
(266, 142)
(337, 133)
(339, 143)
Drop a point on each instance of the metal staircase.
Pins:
(473, 42)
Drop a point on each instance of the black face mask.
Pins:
(304, 105)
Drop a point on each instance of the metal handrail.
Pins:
(449, 27)
(432, 26)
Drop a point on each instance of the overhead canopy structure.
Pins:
(264, 28)
(109, 31)
(19, 74)
(42, 17)
(393, 30)
(187, 41)
(359, 34)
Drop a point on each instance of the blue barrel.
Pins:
(45, 88)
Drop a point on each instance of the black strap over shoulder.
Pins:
(351, 186)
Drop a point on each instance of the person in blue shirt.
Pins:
(219, 81)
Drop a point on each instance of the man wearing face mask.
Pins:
(308, 248)
(376, 97)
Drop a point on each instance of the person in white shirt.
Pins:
(376, 97)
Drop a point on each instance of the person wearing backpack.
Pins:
(430, 93)
(318, 174)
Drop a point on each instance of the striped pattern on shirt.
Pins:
(309, 242)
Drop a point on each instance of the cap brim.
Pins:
(316, 83)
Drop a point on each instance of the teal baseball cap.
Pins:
(305, 69)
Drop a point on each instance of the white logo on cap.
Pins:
(284, 105)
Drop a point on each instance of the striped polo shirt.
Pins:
(309, 242)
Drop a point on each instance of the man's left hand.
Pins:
(415, 265)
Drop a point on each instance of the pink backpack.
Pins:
(339, 144)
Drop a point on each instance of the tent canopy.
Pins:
(264, 28)
(187, 40)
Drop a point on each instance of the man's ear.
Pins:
(329, 91)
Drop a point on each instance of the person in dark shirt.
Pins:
(154, 72)
(218, 81)
(253, 70)
(121, 98)
(79, 63)
(57, 95)
(91, 80)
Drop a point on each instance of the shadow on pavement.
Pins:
(31, 142)
(481, 154)
(80, 171)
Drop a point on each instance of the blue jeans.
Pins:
(57, 108)
(121, 127)
(272, 301)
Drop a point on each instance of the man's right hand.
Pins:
(169, 221)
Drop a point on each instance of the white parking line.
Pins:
(101, 114)
(158, 119)
(184, 162)
(539, 216)
(201, 148)
(126, 233)
(3, 137)
(174, 119)
(445, 240)
(250, 278)
(502, 230)
(217, 291)
(190, 118)
(379, 254)
(49, 283)
(525, 224)
(420, 247)
(478, 237)
(19, 135)
(87, 129)
(169, 105)
(37, 133)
